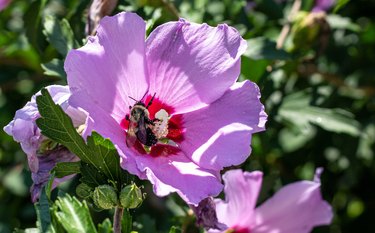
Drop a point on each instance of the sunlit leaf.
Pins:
(54, 68)
(74, 215)
(339, 22)
(105, 226)
(59, 34)
(296, 110)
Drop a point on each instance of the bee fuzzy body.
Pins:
(140, 125)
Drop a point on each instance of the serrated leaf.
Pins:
(66, 168)
(99, 154)
(56, 125)
(262, 48)
(105, 226)
(107, 159)
(54, 68)
(43, 213)
(59, 34)
(57, 226)
(74, 215)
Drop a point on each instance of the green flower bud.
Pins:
(308, 28)
(131, 196)
(84, 191)
(105, 197)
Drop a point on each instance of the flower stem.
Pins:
(285, 31)
(117, 217)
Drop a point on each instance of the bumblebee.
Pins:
(140, 124)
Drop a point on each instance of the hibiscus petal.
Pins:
(228, 124)
(46, 164)
(110, 68)
(241, 194)
(295, 208)
(191, 65)
(176, 173)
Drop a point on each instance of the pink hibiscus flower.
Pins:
(199, 121)
(295, 208)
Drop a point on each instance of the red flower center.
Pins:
(174, 127)
(238, 230)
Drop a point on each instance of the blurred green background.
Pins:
(318, 89)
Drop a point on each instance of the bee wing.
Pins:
(131, 137)
(142, 131)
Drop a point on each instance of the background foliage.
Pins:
(318, 90)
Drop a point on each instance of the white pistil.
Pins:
(160, 128)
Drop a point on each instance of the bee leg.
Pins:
(149, 121)
(127, 117)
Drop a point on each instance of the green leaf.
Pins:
(339, 22)
(291, 140)
(91, 176)
(66, 168)
(57, 226)
(105, 226)
(54, 68)
(43, 213)
(74, 215)
(59, 34)
(146, 223)
(340, 4)
(253, 69)
(262, 48)
(28, 230)
(100, 156)
(107, 159)
(126, 222)
(296, 110)
(175, 229)
(56, 125)
(32, 25)
(49, 184)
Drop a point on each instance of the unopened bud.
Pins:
(105, 197)
(308, 28)
(84, 191)
(131, 196)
